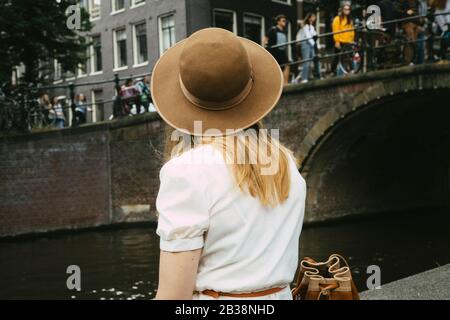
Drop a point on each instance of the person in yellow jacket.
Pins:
(343, 21)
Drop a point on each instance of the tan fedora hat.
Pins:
(225, 81)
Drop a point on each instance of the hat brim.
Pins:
(180, 113)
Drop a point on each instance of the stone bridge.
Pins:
(371, 143)
(368, 144)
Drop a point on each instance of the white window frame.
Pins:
(263, 24)
(115, 52)
(83, 73)
(134, 5)
(19, 71)
(90, 3)
(114, 10)
(229, 11)
(14, 78)
(40, 67)
(72, 78)
(135, 47)
(56, 67)
(83, 4)
(160, 34)
(287, 3)
(91, 58)
(93, 106)
(80, 73)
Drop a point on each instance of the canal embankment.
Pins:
(428, 285)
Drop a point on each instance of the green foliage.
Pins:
(35, 30)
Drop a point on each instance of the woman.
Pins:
(342, 38)
(410, 9)
(144, 93)
(277, 36)
(130, 97)
(81, 108)
(441, 7)
(45, 107)
(230, 213)
(57, 113)
(308, 35)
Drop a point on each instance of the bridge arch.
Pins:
(371, 143)
(375, 93)
(390, 154)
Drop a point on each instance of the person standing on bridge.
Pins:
(81, 108)
(57, 112)
(442, 18)
(230, 213)
(277, 36)
(344, 34)
(409, 9)
(308, 36)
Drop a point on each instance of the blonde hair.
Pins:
(247, 153)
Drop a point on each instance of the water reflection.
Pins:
(123, 264)
(115, 264)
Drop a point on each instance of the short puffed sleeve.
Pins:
(182, 205)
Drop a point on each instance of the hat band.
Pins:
(217, 105)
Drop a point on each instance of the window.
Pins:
(120, 48)
(118, 5)
(83, 4)
(140, 44)
(82, 70)
(254, 27)
(136, 3)
(57, 70)
(166, 32)
(225, 19)
(18, 73)
(94, 9)
(96, 55)
(69, 74)
(98, 113)
(83, 67)
(44, 70)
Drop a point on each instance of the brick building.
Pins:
(129, 36)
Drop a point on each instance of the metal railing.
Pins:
(25, 113)
(365, 49)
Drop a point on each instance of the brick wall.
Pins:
(370, 143)
(136, 157)
(82, 177)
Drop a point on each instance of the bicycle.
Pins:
(37, 115)
(350, 59)
(388, 51)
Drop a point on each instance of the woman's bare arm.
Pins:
(177, 274)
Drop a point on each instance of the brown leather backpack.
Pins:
(329, 280)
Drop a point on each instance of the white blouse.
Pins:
(246, 246)
(307, 32)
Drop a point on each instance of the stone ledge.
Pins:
(429, 285)
(369, 76)
(106, 125)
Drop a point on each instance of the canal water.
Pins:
(123, 263)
